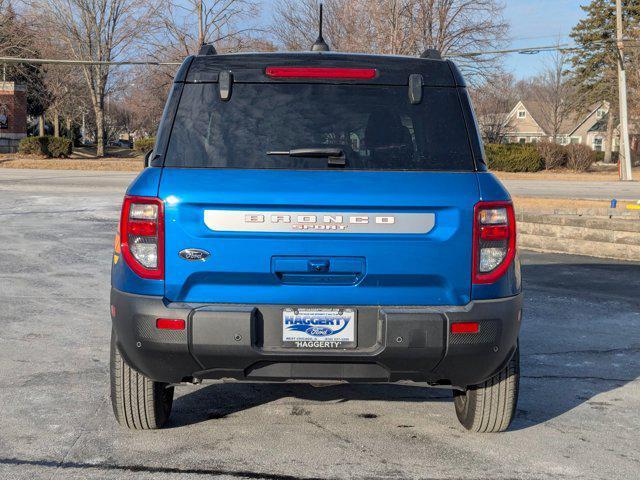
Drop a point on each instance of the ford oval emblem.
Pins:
(194, 254)
(317, 331)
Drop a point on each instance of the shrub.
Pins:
(514, 157)
(143, 145)
(56, 147)
(580, 157)
(614, 157)
(553, 155)
(59, 147)
(33, 146)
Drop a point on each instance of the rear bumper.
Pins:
(242, 342)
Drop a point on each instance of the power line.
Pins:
(521, 50)
(631, 43)
(55, 61)
(538, 37)
(566, 47)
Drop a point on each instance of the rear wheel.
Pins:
(139, 403)
(491, 405)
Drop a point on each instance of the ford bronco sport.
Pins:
(316, 217)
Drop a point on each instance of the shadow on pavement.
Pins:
(552, 382)
(209, 472)
(221, 399)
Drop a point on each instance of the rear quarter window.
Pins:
(375, 126)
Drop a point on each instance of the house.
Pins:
(13, 116)
(530, 122)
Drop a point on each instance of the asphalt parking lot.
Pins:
(579, 409)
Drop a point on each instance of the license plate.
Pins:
(319, 328)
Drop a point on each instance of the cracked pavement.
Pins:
(578, 413)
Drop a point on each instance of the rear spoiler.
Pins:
(252, 68)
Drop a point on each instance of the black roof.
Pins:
(250, 67)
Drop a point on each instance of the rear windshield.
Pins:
(375, 127)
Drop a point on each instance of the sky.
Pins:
(538, 23)
(533, 23)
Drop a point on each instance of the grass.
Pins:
(83, 158)
(102, 164)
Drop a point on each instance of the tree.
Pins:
(18, 40)
(99, 31)
(551, 90)
(399, 27)
(493, 100)
(145, 98)
(67, 91)
(594, 74)
(186, 25)
(190, 23)
(9, 34)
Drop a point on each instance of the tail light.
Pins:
(142, 236)
(494, 240)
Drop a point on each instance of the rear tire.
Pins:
(490, 406)
(139, 403)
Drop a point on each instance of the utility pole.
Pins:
(625, 150)
(82, 129)
(200, 24)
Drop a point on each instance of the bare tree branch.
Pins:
(399, 27)
(551, 90)
(187, 24)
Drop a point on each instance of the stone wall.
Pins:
(593, 234)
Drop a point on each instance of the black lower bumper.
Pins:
(243, 342)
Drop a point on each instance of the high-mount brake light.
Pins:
(322, 73)
(142, 236)
(494, 240)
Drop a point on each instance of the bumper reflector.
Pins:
(170, 324)
(466, 327)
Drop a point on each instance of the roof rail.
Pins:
(207, 49)
(431, 54)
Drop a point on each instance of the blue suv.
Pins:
(316, 217)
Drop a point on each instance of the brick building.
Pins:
(13, 116)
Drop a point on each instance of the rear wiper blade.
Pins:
(335, 156)
(310, 152)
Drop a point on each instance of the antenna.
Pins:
(320, 45)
